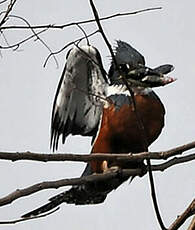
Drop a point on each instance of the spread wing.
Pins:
(77, 105)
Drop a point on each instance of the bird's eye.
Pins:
(124, 68)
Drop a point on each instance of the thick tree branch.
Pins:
(162, 155)
(66, 182)
(78, 181)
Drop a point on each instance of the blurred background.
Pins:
(27, 91)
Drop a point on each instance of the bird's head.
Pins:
(131, 67)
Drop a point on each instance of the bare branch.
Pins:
(97, 20)
(183, 217)
(16, 45)
(192, 224)
(48, 26)
(66, 182)
(174, 161)
(83, 180)
(67, 45)
(85, 34)
(1, 2)
(178, 150)
(9, 9)
(162, 155)
(36, 34)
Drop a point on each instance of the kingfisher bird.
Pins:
(89, 102)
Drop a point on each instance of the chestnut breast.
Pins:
(119, 130)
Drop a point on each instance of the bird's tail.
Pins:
(78, 195)
(90, 193)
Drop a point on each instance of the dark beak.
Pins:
(146, 77)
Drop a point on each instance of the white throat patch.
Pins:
(122, 89)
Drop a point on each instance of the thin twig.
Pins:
(28, 218)
(67, 45)
(9, 9)
(174, 161)
(192, 224)
(85, 34)
(183, 217)
(16, 45)
(98, 64)
(37, 36)
(81, 22)
(1, 2)
(4, 38)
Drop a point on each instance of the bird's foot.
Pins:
(112, 169)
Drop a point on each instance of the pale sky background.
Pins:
(26, 96)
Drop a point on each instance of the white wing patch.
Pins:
(77, 105)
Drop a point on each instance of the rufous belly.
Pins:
(120, 131)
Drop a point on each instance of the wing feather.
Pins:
(77, 107)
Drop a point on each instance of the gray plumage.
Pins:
(76, 109)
